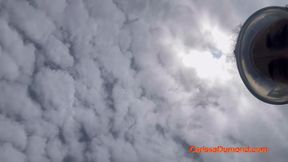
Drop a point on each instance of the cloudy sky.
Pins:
(129, 81)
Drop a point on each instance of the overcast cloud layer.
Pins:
(128, 81)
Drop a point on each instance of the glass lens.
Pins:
(270, 53)
(262, 54)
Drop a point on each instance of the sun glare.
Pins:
(205, 65)
(220, 39)
(203, 62)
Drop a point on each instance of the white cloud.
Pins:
(122, 80)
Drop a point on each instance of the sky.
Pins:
(129, 81)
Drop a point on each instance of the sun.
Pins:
(206, 65)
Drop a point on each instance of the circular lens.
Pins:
(262, 54)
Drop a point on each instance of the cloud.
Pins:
(105, 81)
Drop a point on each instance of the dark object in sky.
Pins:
(262, 54)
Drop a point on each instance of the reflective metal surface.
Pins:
(262, 54)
